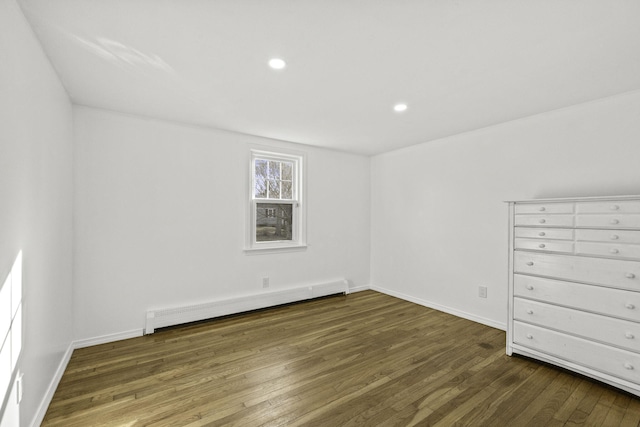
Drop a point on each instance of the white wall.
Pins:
(35, 205)
(160, 220)
(439, 224)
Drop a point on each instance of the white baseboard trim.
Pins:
(361, 288)
(445, 309)
(104, 339)
(53, 385)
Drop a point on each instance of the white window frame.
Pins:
(298, 241)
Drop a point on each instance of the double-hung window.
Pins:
(276, 204)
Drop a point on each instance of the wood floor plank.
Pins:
(366, 359)
(503, 391)
(542, 409)
(573, 400)
(632, 414)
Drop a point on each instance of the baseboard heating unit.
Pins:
(162, 318)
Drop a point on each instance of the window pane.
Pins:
(274, 222)
(274, 169)
(274, 189)
(287, 171)
(286, 190)
(260, 179)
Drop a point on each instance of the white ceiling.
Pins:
(459, 65)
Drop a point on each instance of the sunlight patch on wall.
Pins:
(11, 339)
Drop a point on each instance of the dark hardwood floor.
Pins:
(362, 359)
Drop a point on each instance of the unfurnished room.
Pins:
(319, 213)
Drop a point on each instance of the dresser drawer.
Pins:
(609, 250)
(544, 220)
(597, 299)
(607, 330)
(545, 233)
(622, 206)
(617, 236)
(553, 208)
(609, 221)
(613, 361)
(608, 272)
(544, 245)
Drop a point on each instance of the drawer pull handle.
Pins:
(614, 251)
(614, 221)
(542, 209)
(629, 336)
(614, 237)
(630, 306)
(628, 366)
(529, 287)
(542, 221)
(529, 336)
(542, 234)
(630, 276)
(530, 263)
(615, 207)
(541, 245)
(529, 311)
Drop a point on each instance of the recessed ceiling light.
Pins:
(399, 108)
(277, 63)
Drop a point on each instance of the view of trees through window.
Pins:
(273, 179)
(274, 221)
(273, 183)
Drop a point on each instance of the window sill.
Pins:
(275, 249)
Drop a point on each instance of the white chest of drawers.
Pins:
(574, 285)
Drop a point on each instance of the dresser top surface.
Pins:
(576, 199)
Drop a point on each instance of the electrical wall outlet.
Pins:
(265, 282)
(482, 291)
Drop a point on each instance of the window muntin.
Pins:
(276, 211)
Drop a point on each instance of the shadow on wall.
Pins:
(11, 339)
